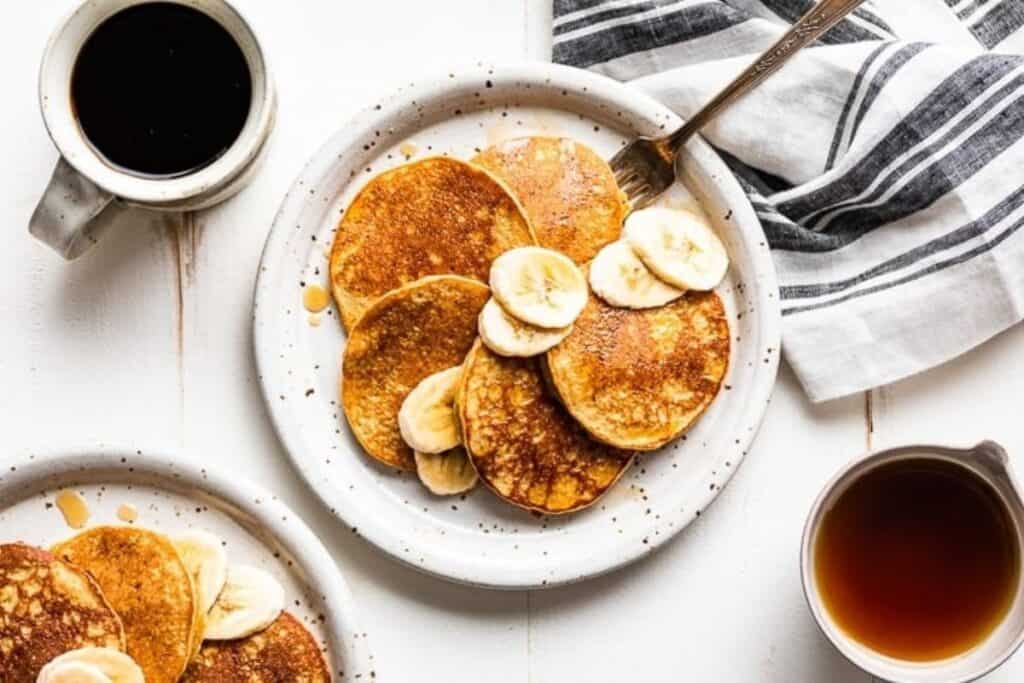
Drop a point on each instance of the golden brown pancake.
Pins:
(430, 217)
(407, 335)
(638, 379)
(47, 608)
(143, 578)
(284, 652)
(569, 193)
(523, 443)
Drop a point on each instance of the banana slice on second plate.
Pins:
(427, 418)
(92, 665)
(71, 672)
(539, 287)
(619, 277)
(448, 473)
(204, 557)
(250, 602)
(678, 246)
(507, 336)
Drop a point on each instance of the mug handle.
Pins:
(63, 220)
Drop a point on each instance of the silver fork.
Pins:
(646, 167)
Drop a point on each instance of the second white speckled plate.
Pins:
(477, 538)
(172, 494)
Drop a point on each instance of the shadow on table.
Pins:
(137, 254)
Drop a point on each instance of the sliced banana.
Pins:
(678, 246)
(205, 559)
(250, 602)
(92, 665)
(619, 277)
(446, 474)
(427, 419)
(507, 336)
(539, 287)
(71, 672)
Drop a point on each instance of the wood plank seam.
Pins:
(182, 235)
(869, 419)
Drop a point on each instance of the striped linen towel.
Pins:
(886, 163)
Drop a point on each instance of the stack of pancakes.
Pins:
(127, 589)
(549, 433)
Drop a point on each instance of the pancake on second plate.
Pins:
(639, 378)
(569, 193)
(430, 217)
(407, 335)
(47, 608)
(285, 651)
(143, 578)
(523, 443)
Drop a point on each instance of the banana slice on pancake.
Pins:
(539, 287)
(619, 277)
(427, 417)
(71, 672)
(92, 665)
(507, 336)
(446, 474)
(678, 246)
(207, 561)
(251, 601)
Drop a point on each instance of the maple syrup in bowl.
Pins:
(912, 563)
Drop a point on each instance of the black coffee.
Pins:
(161, 89)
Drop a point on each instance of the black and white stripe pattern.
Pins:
(991, 21)
(884, 163)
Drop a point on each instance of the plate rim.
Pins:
(175, 467)
(584, 84)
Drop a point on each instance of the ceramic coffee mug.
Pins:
(988, 461)
(84, 184)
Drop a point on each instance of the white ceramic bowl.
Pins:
(479, 539)
(173, 493)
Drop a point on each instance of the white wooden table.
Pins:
(146, 341)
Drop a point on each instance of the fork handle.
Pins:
(825, 15)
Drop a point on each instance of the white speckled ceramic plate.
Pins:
(172, 494)
(478, 539)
